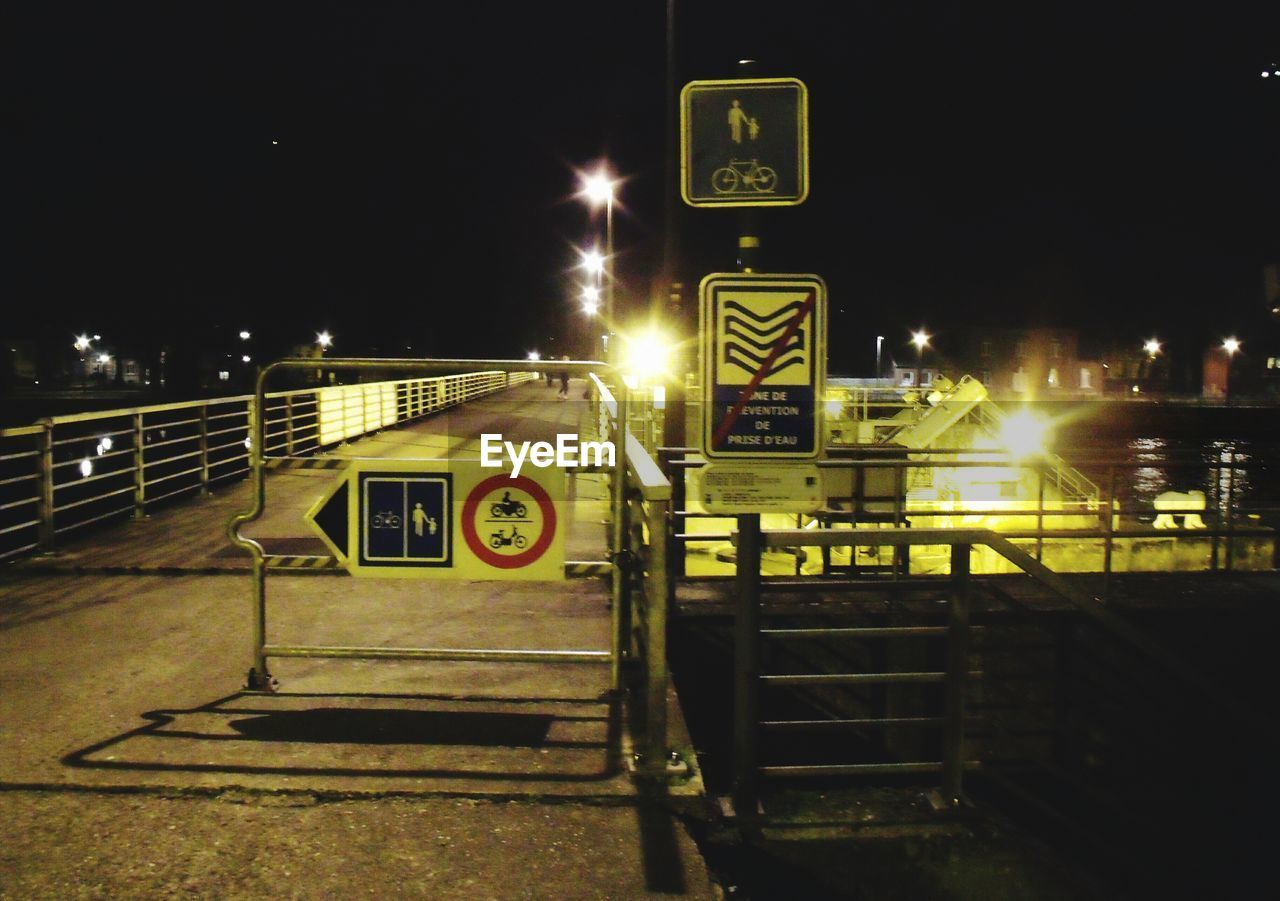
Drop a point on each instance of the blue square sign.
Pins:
(405, 519)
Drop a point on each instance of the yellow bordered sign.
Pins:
(444, 519)
(744, 142)
(764, 365)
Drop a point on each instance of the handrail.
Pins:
(1089, 605)
(654, 485)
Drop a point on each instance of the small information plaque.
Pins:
(733, 488)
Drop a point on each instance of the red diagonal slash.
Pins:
(723, 431)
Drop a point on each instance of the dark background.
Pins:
(1105, 166)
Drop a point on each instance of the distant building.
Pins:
(1013, 363)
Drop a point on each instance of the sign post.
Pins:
(744, 142)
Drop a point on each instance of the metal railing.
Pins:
(952, 760)
(69, 473)
(1104, 535)
(641, 526)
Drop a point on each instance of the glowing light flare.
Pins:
(534, 356)
(590, 307)
(86, 468)
(593, 261)
(1151, 346)
(920, 339)
(1023, 434)
(324, 339)
(1231, 345)
(646, 355)
(598, 188)
(245, 335)
(104, 358)
(82, 343)
(591, 294)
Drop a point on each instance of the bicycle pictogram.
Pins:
(385, 520)
(744, 177)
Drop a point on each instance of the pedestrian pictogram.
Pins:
(764, 365)
(433, 519)
(744, 142)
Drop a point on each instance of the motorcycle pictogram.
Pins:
(508, 508)
(500, 539)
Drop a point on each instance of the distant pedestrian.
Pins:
(564, 382)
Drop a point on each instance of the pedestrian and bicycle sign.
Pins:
(764, 351)
(441, 519)
(744, 142)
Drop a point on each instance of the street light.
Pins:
(921, 340)
(82, 343)
(598, 189)
(1231, 345)
(324, 339)
(244, 335)
(534, 356)
(1152, 347)
(879, 344)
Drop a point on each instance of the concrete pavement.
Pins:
(129, 751)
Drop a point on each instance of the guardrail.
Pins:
(640, 531)
(69, 473)
(874, 486)
(749, 677)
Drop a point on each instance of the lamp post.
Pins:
(879, 344)
(599, 188)
(1230, 346)
(921, 341)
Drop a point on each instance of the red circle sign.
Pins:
(503, 482)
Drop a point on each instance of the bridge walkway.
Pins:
(122, 658)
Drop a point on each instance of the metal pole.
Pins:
(655, 715)
(1040, 512)
(139, 470)
(1110, 527)
(610, 312)
(957, 673)
(204, 449)
(619, 554)
(288, 426)
(746, 667)
(46, 530)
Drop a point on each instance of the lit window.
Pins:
(908, 378)
(1086, 377)
(223, 375)
(1271, 362)
(1019, 382)
(1053, 377)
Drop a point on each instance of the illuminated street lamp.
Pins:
(1231, 345)
(324, 339)
(598, 189)
(82, 343)
(921, 340)
(245, 335)
(1151, 346)
(879, 344)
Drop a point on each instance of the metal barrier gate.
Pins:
(629, 553)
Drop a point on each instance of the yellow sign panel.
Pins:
(764, 349)
(443, 519)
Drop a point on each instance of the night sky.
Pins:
(1109, 166)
